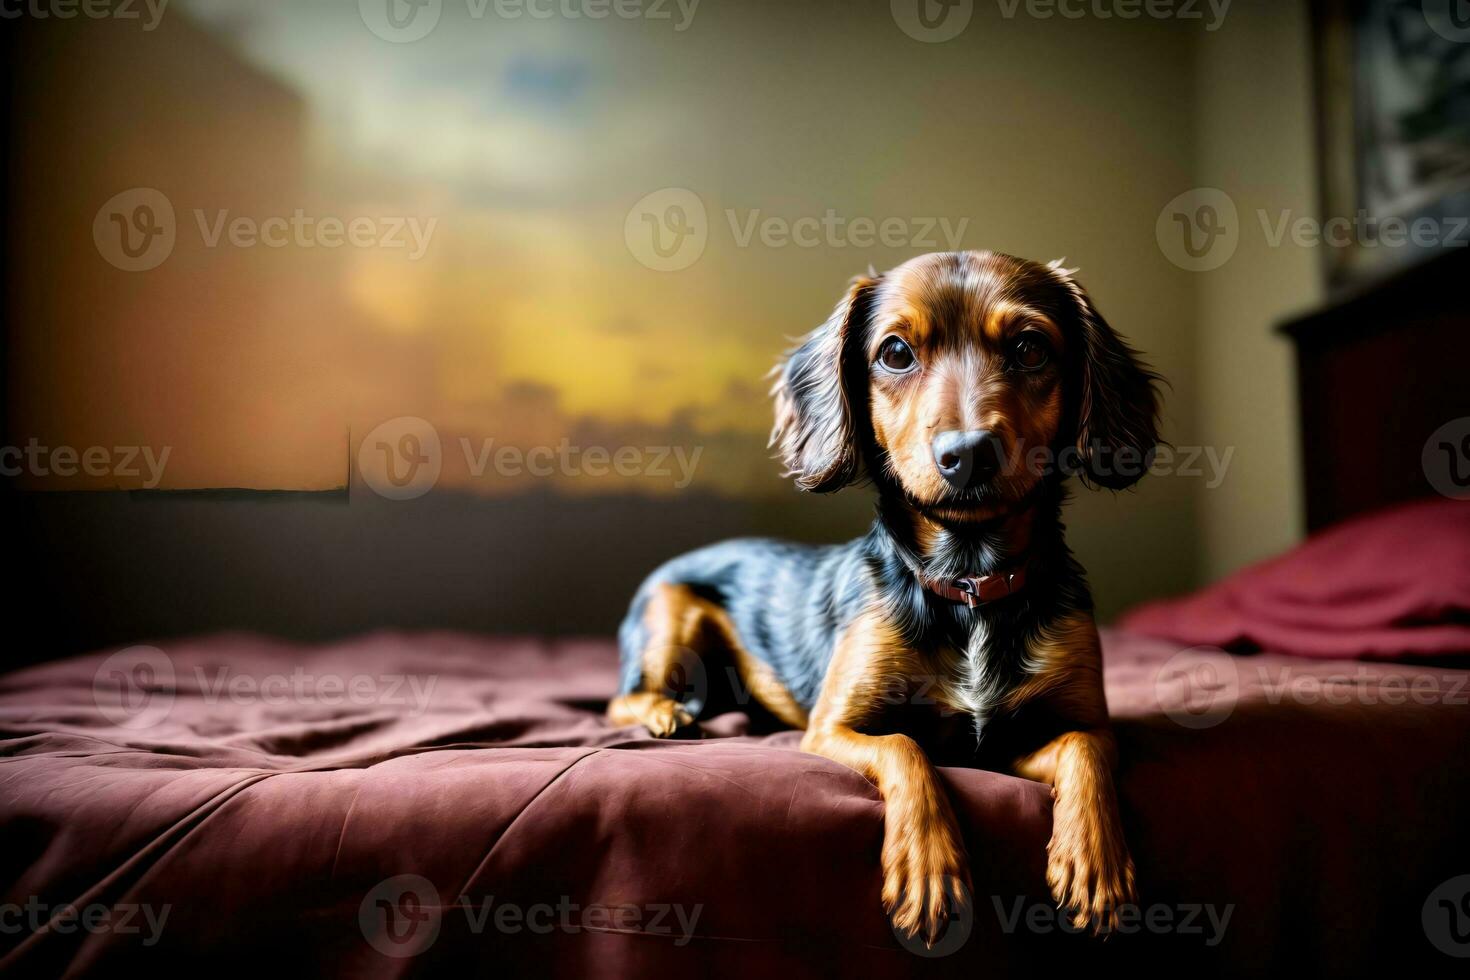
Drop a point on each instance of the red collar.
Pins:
(975, 589)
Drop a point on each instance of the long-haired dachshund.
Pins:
(967, 387)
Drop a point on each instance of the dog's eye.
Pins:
(1030, 353)
(896, 356)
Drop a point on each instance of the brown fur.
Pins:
(964, 385)
(923, 856)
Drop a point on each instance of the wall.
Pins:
(1254, 140)
(1054, 137)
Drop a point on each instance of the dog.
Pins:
(967, 388)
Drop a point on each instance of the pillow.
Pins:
(1393, 585)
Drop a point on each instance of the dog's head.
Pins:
(964, 379)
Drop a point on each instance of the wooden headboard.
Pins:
(1377, 374)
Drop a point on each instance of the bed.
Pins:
(1294, 750)
(268, 826)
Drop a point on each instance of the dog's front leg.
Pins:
(924, 866)
(1088, 866)
(923, 859)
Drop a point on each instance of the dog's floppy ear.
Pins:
(1115, 400)
(815, 433)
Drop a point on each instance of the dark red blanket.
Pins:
(1391, 585)
(405, 804)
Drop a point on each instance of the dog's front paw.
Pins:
(666, 718)
(925, 879)
(663, 717)
(1090, 871)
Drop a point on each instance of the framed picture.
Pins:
(1393, 98)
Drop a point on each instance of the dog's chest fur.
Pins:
(977, 661)
(977, 677)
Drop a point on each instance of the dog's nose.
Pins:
(967, 459)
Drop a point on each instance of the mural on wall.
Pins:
(1394, 102)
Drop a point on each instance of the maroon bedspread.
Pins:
(406, 804)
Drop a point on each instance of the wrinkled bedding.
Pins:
(1389, 585)
(407, 804)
